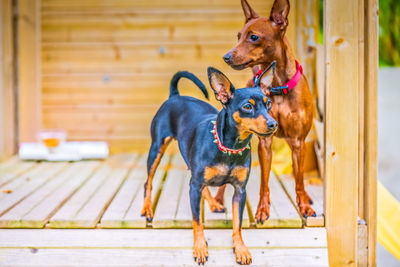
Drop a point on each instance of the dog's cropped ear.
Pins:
(279, 13)
(221, 85)
(249, 13)
(266, 78)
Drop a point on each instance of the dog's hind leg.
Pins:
(219, 197)
(156, 152)
(214, 205)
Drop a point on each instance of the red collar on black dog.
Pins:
(285, 89)
(223, 148)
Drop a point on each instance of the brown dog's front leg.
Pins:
(265, 158)
(298, 155)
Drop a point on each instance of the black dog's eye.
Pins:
(247, 107)
(254, 38)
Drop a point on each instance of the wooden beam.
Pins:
(371, 124)
(7, 95)
(341, 28)
(29, 73)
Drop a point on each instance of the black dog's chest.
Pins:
(221, 174)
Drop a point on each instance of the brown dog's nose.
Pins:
(227, 57)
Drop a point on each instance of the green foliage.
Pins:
(389, 32)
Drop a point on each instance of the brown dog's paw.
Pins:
(262, 213)
(242, 254)
(147, 212)
(200, 251)
(215, 206)
(304, 203)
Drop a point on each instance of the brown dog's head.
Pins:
(261, 38)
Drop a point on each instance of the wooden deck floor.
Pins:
(109, 194)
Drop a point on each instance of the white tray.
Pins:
(67, 151)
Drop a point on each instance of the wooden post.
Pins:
(351, 61)
(29, 73)
(341, 29)
(371, 125)
(7, 95)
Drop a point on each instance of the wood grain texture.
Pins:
(13, 168)
(341, 38)
(371, 121)
(85, 208)
(314, 188)
(29, 70)
(272, 247)
(8, 132)
(124, 210)
(173, 208)
(35, 210)
(98, 56)
(27, 183)
(283, 214)
(159, 257)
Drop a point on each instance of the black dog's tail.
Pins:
(173, 90)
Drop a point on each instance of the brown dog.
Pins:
(261, 41)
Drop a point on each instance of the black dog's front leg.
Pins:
(242, 254)
(200, 250)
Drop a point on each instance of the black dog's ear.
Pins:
(279, 13)
(249, 13)
(221, 85)
(266, 78)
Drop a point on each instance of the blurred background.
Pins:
(388, 107)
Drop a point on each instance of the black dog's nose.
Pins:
(227, 57)
(272, 125)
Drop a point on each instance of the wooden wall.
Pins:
(106, 65)
(8, 131)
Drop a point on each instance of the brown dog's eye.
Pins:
(254, 38)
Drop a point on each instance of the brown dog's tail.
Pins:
(173, 89)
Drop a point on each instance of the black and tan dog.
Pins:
(214, 145)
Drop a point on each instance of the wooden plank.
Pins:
(28, 183)
(272, 247)
(283, 214)
(152, 238)
(314, 188)
(61, 5)
(342, 22)
(371, 127)
(86, 207)
(168, 207)
(13, 168)
(29, 70)
(8, 141)
(160, 257)
(124, 210)
(35, 210)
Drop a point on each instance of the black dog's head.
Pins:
(248, 107)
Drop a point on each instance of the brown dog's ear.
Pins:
(280, 12)
(249, 13)
(221, 85)
(266, 78)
